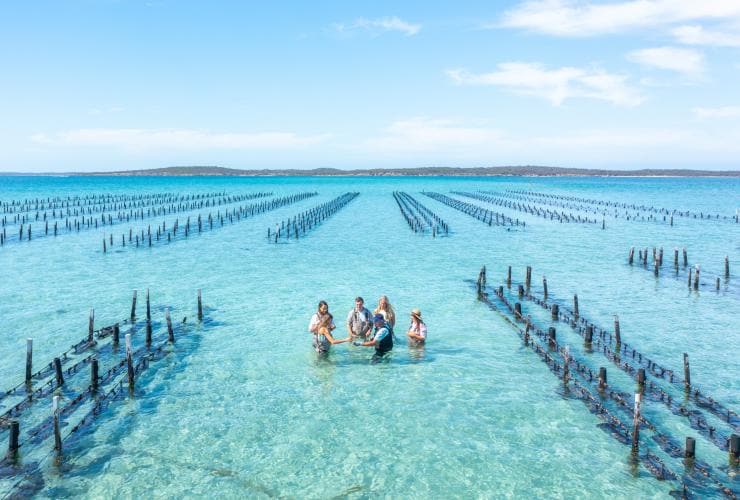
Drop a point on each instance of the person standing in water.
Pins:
(417, 332)
(359, 320)
(321, 325)
(386, 310)
(383, 339)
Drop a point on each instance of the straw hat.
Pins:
(416, 313)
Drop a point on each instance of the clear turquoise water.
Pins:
(246, 408)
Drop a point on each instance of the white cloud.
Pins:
(148, 139)
(720, 112)
(689, 62)
(582, 18)
(555, 85)
(697, 35)
(427, 134)
(439, 141)
(380, 24)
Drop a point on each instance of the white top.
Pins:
(313, 325)
(420, 329)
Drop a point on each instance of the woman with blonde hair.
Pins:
(386, 310)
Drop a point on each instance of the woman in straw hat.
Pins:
(418, 330)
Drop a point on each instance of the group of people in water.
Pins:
(365, 328)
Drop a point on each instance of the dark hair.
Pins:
(359, 299)
(322, 303)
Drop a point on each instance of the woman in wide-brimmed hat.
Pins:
(418, 330)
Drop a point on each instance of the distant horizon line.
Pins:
(497, 171)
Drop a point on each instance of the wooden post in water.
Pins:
(116, 334)
(57, 431)
(602, 378)
(508, 278)
(575, 307)
(727, 266)
(617, 331)
(528, 279)
(170, 332)
(94, 368)
(200, 305)
(15, 431)
(734, 448)
(148, 307)
(631, 257)
(551, 337)
(58, 372)
(718, 283)
(636, 425)
(641, 377)
(555, 312)
(130, 363)
(133, 307)
(685, 258)
(544, 286)
(690, 448)
(686, 372)
(520, 291)
(29, 361)
(689, 278)
(91, 326)
(518, 310)
(589, 336)
(696, 278)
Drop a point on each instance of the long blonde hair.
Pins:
(390, 314)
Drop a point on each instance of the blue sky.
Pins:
(91, 85)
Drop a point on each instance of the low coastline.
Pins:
(521, 171)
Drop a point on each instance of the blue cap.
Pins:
(378, 318)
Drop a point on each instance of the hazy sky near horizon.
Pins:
(121, 84)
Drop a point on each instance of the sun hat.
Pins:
(416, 313)
(378, 318)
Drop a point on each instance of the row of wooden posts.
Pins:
(484, 215)
(90, 204)
(623, 205)
(528, 209)
(87, 222)
(95, 378)
(732, 443)
(304, 222)
(419, 218)
(642, 257)
(579, 206)
(162, 234)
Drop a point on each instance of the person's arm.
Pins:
(333, 341)
(419, 337)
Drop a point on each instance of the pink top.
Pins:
(419, 329)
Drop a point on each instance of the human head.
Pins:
(378, 320)
(416, 315)
(323, 307)
(359, 302)
(382, 302)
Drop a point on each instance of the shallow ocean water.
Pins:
(245, 408)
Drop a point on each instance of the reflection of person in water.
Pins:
(321, 325)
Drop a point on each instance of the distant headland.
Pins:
(507, 171)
